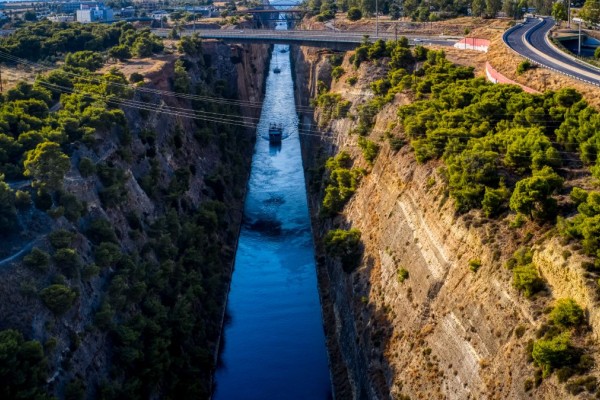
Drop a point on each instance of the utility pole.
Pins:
(568, 14)
(1, 88)
(579, 45)
(376, 20)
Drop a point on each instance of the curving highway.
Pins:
(530, 40)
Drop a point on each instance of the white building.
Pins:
(61, 18)
(97, 14)
(159, 15)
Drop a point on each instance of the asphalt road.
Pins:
(530, 41)
(323, 37)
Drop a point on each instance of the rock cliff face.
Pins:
(158, 147)
(444, 332)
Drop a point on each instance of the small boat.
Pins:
(275, 133)
(276, 69)
(283, 51)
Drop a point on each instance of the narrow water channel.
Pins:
(274, 345)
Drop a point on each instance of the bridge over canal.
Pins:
(335, 40)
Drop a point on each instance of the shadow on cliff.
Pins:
(364, 330)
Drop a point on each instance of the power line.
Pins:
(241, 103)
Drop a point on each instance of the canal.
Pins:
(273, 343)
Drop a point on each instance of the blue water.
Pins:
(274, 345)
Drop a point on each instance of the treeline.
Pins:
(51, 41)
(421, 10)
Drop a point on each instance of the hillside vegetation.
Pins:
(506, 159)
(129, 271)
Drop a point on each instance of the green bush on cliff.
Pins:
(567, 314)
(369, 149)
(527, 280)
(68, 261)
(23, 367)
(345, 246)
(341, 183)
(337, 72)
(37, 259)
(554, 353)
(58, 298)
(61, 238)
(354, 14)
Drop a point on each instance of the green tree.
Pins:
(478, 7)
(567, 314)
(526, 279)
(22, 367)
(8, 213)
(354, 14)
(344, 245)
(58, 298)
(30, 16)
(120, 52)
(37, 259)
(90, 60)
(559, 11)
(492, 7)
(590, 12)
(553, 353)
(533, 196)
(47, 164)
(182, 80)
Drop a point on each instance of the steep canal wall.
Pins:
(442, 331)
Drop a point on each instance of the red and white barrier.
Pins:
(496, 77)
(471, 43)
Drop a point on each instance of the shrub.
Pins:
(567, 314)
(68, 261)
(337, 72)
(38, 259)
(352, 80)
(107, 254)
(58, 298)
(396, 143)
(553, 353)
(61, 238)
(526, 279)
(474, 265)
(42, 200)
(369, 149)
(342, 183)
(101, 230)
(402, 275)
(84, 59)
(579, 385)
(86, 167)
(354, 14)
(136, 77)
(22, 199)
(89, 271)
(73, 208)
(524, 66)
(344, 245)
